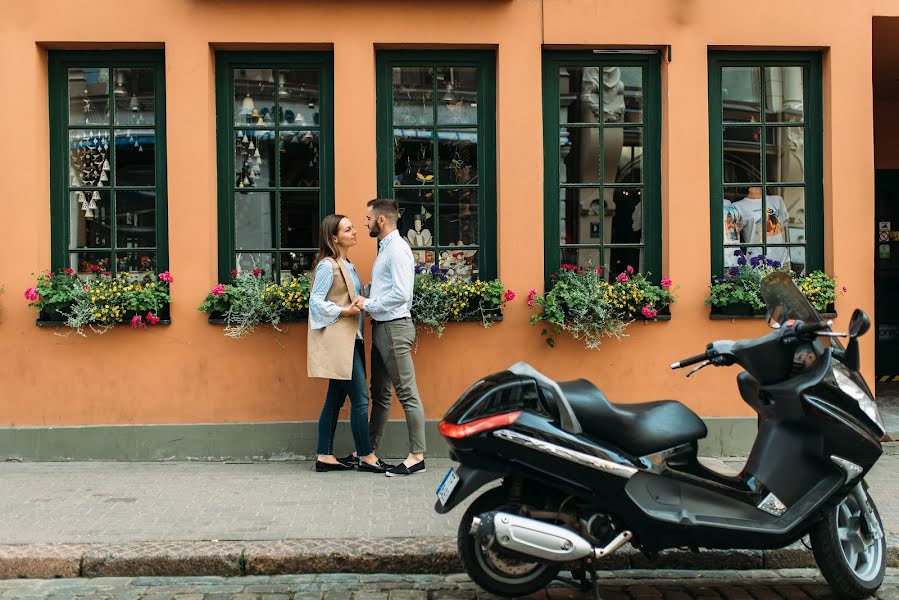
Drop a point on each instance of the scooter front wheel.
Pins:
(494, 573)
(850, 546)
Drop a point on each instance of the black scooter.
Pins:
(581, 476)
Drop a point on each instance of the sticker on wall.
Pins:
(883, 236)
(884, 226)
(883, 251)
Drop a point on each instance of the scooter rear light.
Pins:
(456, 432)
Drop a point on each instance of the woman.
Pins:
(335, 346)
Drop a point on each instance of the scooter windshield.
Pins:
(784, 301)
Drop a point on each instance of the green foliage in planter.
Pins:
(252, 299)
(584, 305)
(100, 302)
(437, 300)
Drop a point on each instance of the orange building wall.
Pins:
(189, 372)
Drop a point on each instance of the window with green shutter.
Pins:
(436, 130)
(602, 161)
(766, 159)
(275, 130)
(107, 161)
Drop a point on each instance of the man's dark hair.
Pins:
(386, 207)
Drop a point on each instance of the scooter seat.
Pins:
(640, 429)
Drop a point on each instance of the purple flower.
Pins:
(435, 269)
(419, 269)
(756, 261)
(738, 252)
(741, 261)
(776, 264)
(734, 271)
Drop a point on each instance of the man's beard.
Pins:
(374, 231)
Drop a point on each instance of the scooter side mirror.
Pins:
(859, 324)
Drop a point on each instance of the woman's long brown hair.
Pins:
(327, 246)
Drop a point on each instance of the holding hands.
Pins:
(351, 311)
(358, 302)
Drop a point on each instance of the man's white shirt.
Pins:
(392, 278)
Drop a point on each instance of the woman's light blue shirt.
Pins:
(323, 312)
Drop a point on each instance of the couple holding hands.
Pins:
(336, 347)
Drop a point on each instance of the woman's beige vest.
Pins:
(329, 351)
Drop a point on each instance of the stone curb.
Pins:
(425, 555)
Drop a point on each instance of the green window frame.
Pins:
(641, 116)
(124, 197)
(735, 125)
(441, 183)
(300, 194)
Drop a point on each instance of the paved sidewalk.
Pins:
(105, 519)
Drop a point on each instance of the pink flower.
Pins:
(84, 287)
(599, 270)
(49, 274)
(649, 312)
(166, 277)
(666, 282)
(137, 322)
(510, 295)
(233, 272)
(630, 270)
(95, 268)
(31, 294)
(152, 319)
(257, 271)
(531, 295)
(844, 289)
(622, 277)
(68, 271)
(218, 290)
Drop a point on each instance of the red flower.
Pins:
(218, 290)
(49, 275)
(510, 295)
(137, 322)
(166, 277)
(569, 267)
(599, 270)
(622, 277)
(31, 294)
(553, 276)
(666, 282)
(257, 271)
(630, 270)
(95, 268)
(152, 319)
(68, 271)
(233, 272)
(649, 312)
(844, 289)
(531, 296)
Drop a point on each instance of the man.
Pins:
(389, 304)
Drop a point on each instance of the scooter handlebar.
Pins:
(690, 361)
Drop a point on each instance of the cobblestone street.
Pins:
(790, 584)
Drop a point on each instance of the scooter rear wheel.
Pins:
(496, 574)
(851, 557)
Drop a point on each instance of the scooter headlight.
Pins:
(859, 394)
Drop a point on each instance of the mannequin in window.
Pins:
(774, 224)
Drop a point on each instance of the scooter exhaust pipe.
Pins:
(537, 539)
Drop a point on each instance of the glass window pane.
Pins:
(617, 260)
(581, 213)
(412, 92)
(413, 157)
(135, 99)
(623, 154)
(623, 216)
(741, 94)
(141, 262)
(761, 223)
(579, 91)
(579, 155)
(254, 161)
(81, 262)
(90, 219)
(89, 154)
(254, 218)
(254, 97)
(294, 264)
(785, 158)
(136, 219)
(135, 157)
(88, 96)
(299, 96)
(299, 219)
(461, 264)
(784, 94)
(587, 258)
(794, 257)
(417, 205)
(247, 261)
(458, 217)
(732, 223)
(622, 94)
(457, 95)
(742, 154)
(458, 152)
(299, 159)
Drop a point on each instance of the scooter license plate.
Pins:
(447, 486)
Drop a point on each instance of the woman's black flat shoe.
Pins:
(380, 467)
(351, 460)
(322, 467)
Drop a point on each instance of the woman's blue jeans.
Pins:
(338, 389)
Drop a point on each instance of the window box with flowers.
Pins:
(99, 301)
(440, 298)
(252, 299)
(737, 295)
(584, 305)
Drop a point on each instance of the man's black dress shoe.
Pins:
(350, 459)
(380, 467)
(402, 469)
(322, 467)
